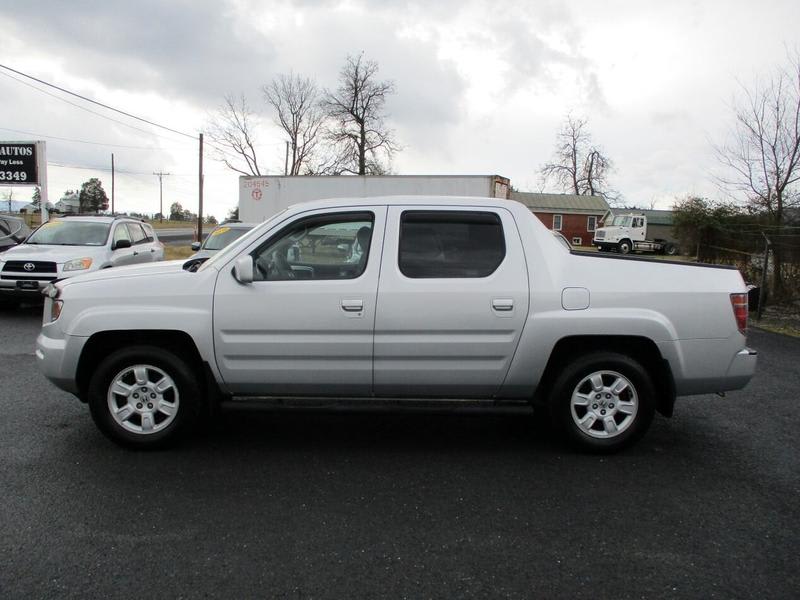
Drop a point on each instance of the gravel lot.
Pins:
(371, 504)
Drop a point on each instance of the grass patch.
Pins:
(177, 252)
(167, 224)
(766, 325)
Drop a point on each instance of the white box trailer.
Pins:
(262, 197)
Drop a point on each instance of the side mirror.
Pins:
(120, 244)
(195, 246)
(243, 269)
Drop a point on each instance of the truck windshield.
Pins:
(622, 221)
(70, 233)
(222, 236)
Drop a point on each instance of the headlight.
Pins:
(55, 309)
(78, 264)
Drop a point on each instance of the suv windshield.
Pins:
(70, 233)
(222, 236)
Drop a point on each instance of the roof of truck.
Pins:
(654, 217)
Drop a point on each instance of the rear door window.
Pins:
(450, 244)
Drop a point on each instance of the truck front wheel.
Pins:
(144, 397)
(624, 247)
(604, 401)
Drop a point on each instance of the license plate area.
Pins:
(28, 285)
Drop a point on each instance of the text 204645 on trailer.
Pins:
(404, 297)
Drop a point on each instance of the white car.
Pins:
(67, 246)
(452, 298)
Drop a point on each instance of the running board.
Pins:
(373, 404)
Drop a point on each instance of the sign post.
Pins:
(25, 163)
(41, 158)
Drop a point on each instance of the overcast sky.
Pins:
(482, 87)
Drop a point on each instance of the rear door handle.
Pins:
(503, 304)
(353, 305)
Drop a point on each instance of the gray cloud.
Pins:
(189, 49)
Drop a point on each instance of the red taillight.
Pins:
(739, 305)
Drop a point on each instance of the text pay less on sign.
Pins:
(18, 164)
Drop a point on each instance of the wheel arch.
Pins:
(639, 348)
(179, 342)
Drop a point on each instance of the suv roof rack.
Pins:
(230, 221)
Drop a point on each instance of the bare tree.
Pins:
(358, 132)
(295, 100)
(232, 132)
(578, 166)
(762, 158)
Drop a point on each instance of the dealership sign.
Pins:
(19, 163)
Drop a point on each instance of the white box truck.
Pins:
(262, 197)
(634, 232)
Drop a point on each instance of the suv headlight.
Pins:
(78, 264)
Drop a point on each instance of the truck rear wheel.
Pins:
(144, 397)
(624, 247)
(603, 402)
(670, 250)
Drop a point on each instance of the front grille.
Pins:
(599, 235)
(18, 266)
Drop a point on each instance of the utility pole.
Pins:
(200, 198)
(112, 183)
(159, 174)
(286, 160)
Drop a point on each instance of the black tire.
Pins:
(670, 250)
(186, 380)
(567, 382)
(625, 247)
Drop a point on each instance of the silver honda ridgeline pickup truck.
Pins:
(393, 298)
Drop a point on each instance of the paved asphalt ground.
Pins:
(374, 504)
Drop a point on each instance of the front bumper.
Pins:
(57, 359)
(9, 289)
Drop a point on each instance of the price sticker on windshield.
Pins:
(220, 231)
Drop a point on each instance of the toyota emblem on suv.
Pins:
(29, 267)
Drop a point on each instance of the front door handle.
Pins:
(353, 305)
(503, 304)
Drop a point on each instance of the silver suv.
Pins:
(69, 246)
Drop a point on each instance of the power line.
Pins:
(63, 139)
(106, 106)
(94, 112)
(90, 168)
